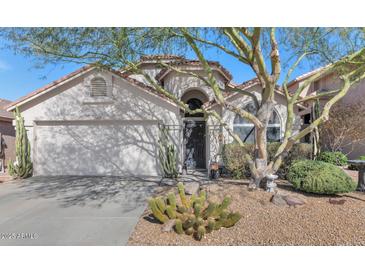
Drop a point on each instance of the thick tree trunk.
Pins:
(261, 155)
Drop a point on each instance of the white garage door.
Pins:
(96, 148)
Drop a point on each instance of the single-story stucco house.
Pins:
(107, 122)
(7, 136)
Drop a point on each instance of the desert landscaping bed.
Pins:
(317, 222)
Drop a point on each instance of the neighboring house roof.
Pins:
(3, 113)
(306, 75)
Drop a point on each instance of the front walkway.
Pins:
(71, 210)
(192, 176)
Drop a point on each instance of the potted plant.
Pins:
(214, 170)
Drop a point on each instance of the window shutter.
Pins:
(98, 87)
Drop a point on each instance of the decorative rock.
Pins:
(293, 201)
(336, 202)
(252, 187)
(168, 226)
(191, 188)
(278, 200)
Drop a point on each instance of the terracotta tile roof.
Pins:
(187, 62)
(75, 73)
(227, 95)
(306, 75)
(125, 75)
(147, 88)
(3, 113)
(242, 86)
(248, 83)
(160, 57)
(50, 85)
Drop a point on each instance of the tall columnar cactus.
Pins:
(168, 155)
(193, 215)
(22, 167)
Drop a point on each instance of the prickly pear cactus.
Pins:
(193, 215)
(22, 167)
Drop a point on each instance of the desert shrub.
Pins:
(300, 151)
(336, 158)
(355, 167)
(319, 177)
(235, 163)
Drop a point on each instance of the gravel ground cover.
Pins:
(317, 222)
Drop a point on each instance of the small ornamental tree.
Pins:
(345, 128)
(22, 167)
(271, 53)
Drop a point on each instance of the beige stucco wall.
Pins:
(178, 84)
(134, 115)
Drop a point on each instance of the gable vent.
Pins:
(98, 87)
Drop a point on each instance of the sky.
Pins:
(19, 76)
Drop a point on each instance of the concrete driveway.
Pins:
(71, 210)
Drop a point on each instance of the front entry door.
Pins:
(194, 140)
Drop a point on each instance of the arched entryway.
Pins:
(194, 137)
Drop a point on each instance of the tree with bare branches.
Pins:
(345, 128)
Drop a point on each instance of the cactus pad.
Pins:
(178, 227)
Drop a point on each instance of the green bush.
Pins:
(355, 167)
(319, 177)
(336, 158)
(234, 161)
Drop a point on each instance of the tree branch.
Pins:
(275, 57)
(316, 96)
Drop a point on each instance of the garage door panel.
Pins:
(91, 149)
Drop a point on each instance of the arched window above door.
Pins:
(194, 104)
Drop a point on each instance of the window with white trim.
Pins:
(98, 87)
(246, 130)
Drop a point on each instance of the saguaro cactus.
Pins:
(22, 167)
(193, 215)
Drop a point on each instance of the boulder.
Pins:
(278, 200)
(168, 226)
(293, 201)
(191, 188)
(336, 202)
